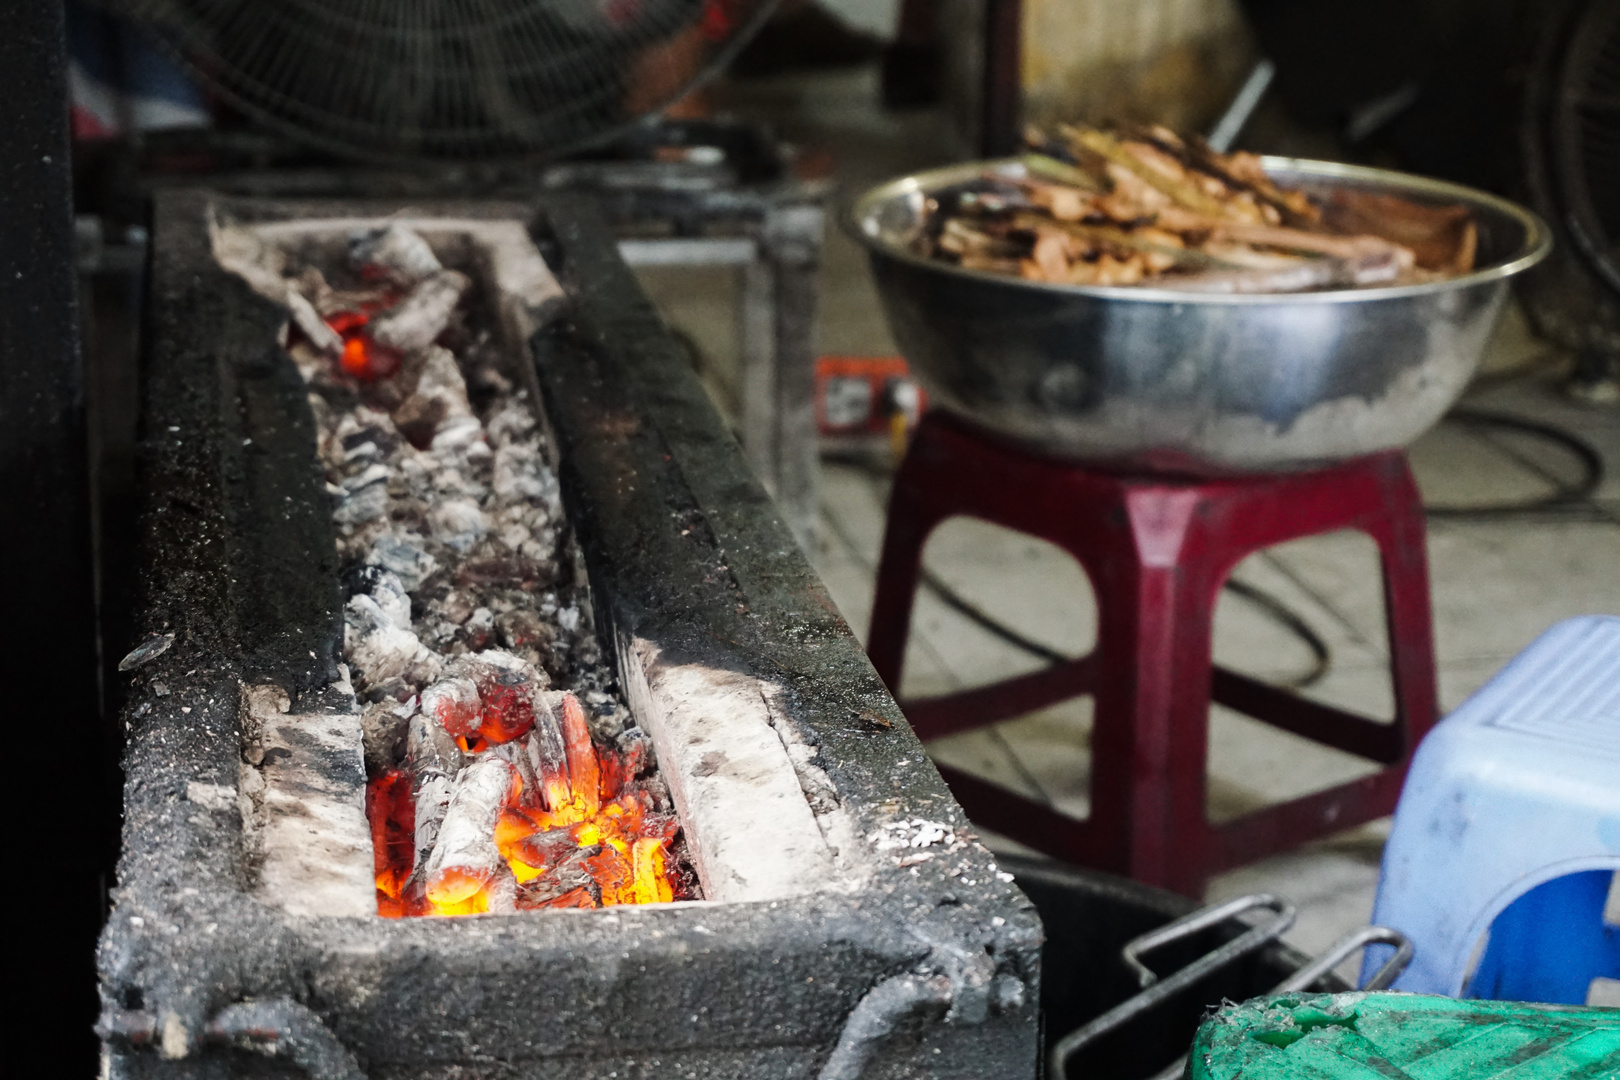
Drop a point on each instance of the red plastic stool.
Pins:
(1157, 551)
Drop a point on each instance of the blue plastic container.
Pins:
(1510, 823)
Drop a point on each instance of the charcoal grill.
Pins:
(884, 943)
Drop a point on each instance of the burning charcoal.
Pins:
(525, 633)
(560, 888)
(311, 325)
(455, 704)
(363, 504)
(657, 793)
(396, 252)
(465, 860)
(419, 417)
(458, 524)
(584, 771)
(507, 686)
(548, 751)
(380, 650)
(363, 425)
(383, 728)
(434, 761)
(512, 536)
(608, 719)
(414, 322)
(635, 752)
(479, 629)
(390, 594)
(455, 606)
(430, 794)
(547, 849)
(374, 473)
(458, 481)
(429, 747)
(404, 558)
(389, 809)
(516, 754)
(651, 884)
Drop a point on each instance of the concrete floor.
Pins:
(1497, 581)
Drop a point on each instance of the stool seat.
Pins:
(1157, 551)
(1510, 822)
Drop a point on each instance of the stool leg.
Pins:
(1150, 731)
(1400, 538)
(912, 516)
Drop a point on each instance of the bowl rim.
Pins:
(1537, 236)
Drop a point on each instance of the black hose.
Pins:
(1565, 494)
(1322, 655)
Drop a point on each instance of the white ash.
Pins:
(308, 320)
(454, 703)
(381, 649)
(913, 834)
(396, 251)
(466, 838)
(405, 556)
(416, 321)
(429, 746)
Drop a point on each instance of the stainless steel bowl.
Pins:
(1152, 378)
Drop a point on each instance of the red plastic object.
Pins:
(1157, 550)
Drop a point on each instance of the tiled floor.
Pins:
(1497, 580)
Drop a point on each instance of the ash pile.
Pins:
(504, 771)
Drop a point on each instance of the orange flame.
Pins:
(391, 813)
(599, 845)
(362, 358)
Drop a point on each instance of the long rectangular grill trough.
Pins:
(849, 924)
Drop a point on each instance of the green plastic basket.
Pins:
(1391, 1036)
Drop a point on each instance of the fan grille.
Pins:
(450, 78)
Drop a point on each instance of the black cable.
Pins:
(1565, 495)
(969, 610)
(1287, 617)
(1322, 655)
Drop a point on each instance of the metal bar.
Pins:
(1340, 951)
(1237, 114)
(1001, 113)
(1337, 953)
(1187, 925)
(690, 251)
(792, 241)
(1160, 990)
(756, 335)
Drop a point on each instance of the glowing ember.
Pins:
(594, 840)
(362, 358)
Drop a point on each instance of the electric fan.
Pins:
(450, 79)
